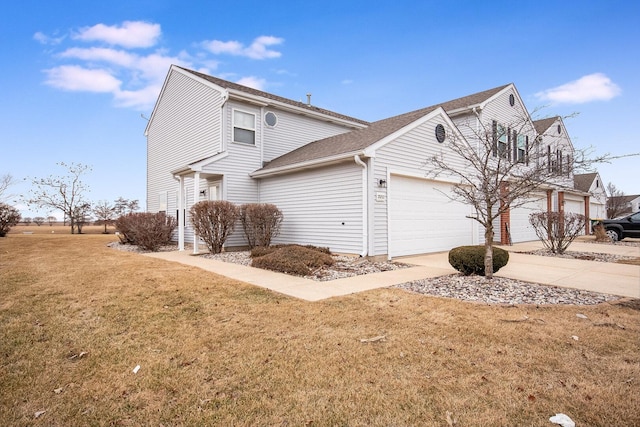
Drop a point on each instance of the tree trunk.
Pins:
(488, 251)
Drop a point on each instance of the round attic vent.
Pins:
(512, 100)
(440, 133)
(271, 119)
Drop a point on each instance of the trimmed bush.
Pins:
(214, 221)
(470, 259)
(261, 223)
(292, 259)
(9, 216)
(148, 230)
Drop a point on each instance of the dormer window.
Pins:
(244, 127)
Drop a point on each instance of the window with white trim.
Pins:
(244, 127)
(521, 148)
(503, 146)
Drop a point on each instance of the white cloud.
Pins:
(346, 81)
(592, 87)
(109, 64)
(257, 50)
(118, 57)
(45, 39)
(253, 82)
(142, 98)
(132, 34)
(75, 78)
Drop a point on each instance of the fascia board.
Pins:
(265, 102)
(199, 165)
(305, 165)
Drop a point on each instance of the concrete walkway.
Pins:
(611, 278)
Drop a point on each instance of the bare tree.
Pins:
(9, 216)
(63, 193)
(81, 215)
(616, 202)
(124, 206)
(105, 213)
(6, 181)
(51, 220)
(27, 220)
(497, 167)
(39, 220)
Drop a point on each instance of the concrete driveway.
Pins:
(603, 277)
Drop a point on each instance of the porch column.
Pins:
(196, 195)
(587, 223)
(181, 213)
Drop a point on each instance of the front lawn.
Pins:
(77, 317)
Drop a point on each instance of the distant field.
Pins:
(77, 317)
(58, 229)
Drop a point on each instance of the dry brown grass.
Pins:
(214, 351)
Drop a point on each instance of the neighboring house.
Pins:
(343, 183)
(625, 205)
(591, 183)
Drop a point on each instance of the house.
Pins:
(591, 183)
(623, 205)
(354, 186)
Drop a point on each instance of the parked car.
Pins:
(620, 228)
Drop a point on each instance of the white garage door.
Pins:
(573, 205)
(422, 219)
(520, 227)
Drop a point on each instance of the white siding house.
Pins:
(341, 182)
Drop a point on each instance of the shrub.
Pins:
(293, 259)
(470, 259)
(9, 216)
(600, 232)
(147, 230)
(261, 223)
(557, 230)
(214, 221)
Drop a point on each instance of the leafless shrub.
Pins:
(214, 221)
(147, 230)
(601, 234)
(261, 223)
(557, 230)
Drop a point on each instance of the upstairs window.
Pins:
(503, 146)
(521, 148)
(244, 127)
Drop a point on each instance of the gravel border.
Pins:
(499, 290)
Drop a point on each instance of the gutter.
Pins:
(261, 173)
(365, 211)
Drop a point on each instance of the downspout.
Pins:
(180, 217)
(365, 210)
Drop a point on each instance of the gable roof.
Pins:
(542, 125)
(265, 95)
(583, 181)
(360, 139)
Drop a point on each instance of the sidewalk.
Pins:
(610, 278)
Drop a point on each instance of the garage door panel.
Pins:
(520, 227)
(423, 219)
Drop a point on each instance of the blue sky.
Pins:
(79, 77)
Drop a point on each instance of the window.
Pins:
(162, 201)
(521, 148)
(244, 127)
(502, 141)
(440, 133)
(271, 119)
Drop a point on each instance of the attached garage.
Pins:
(423, 219)
(520, 227)
(573, 204)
